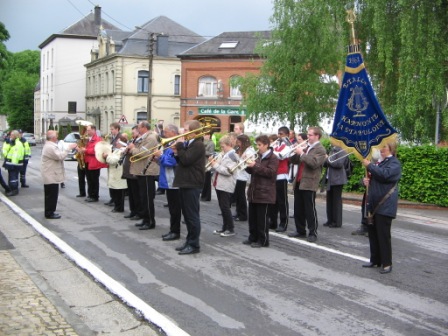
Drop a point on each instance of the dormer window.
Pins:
(228, 45)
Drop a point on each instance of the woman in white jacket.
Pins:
(224, 182)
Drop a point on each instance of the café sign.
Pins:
(222, 111)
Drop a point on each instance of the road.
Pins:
(291, 288)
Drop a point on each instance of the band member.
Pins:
(190, 176)
(224, 182)
(261, 192)
(14, 153)
(244, 151)
(26, 158)
(132, 180)
(114, 129)
(93, 166)
(281, 205)
(168, 165)
(310, 160)
(146, 170)
(53, 172)
(206, 194)
(238, 129)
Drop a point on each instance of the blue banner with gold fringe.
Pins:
(359, 123)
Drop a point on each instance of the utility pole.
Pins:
(152, 40)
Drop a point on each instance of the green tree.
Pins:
(306, 46)
(407, 58)
(4, 54)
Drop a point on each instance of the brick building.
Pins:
(208, 70)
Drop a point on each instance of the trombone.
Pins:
(333, 157)
(243, 163)
(149, 152)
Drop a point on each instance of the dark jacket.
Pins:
(384, 176)
(335, 167)
(190, 170)
(262, 187)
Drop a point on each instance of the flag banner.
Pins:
(359, 123)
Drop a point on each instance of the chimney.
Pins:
(97, 16)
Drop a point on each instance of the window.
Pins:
(208, 87)
(235, 87)
(142, 85)
(141, 116)
(177, 85)
(228, 45)
(72, 107)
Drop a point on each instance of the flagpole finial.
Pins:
(351, 18)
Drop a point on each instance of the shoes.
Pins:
(218, 232)
(90, 200)
(227, 233)
(281, 228)
(53, 216)
(189, 250)
(386, 269)
(371, 265)
(247, 242)
(115, 210)
(258, 245)
(165, 205)
(110, 203)
(136, 217)
(12, 193)
(81, 195)
(312, 239)
(129, 216)
(360, 232)
(147, 226)
(171, 236)
(140, 224)
(238, 219)
(181, 247)
(296, 235)
(27, 186)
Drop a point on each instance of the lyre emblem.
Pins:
(357, 102)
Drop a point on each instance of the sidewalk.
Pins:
(43, 293)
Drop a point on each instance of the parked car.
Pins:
(72, 138)
(30, 138)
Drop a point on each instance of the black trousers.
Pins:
(82, 181)
(305, 211)
(51, 193)
(206, 194)
(147, 193)
(190, 209)
(334, 205)
(134, 196)
(23, 172)
(240, 199)
(224, 199)
(175, 209)
(13, 178)
(3, 183)
(380, 240)
(93, 183)
(281, 205)
(118, 198)
(258, 223)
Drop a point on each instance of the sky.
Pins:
(31, 22)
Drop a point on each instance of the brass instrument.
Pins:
(82, 142)
(216, 158)
(332, 158)
(243, 163)
(290, 151)
(149, 152)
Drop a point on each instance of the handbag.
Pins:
(369, 218)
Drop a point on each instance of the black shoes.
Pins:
(12, 193)
(90, 200)
(281, 228)
(360, 232)
(181, 247)
(371, 265)
(147, 226)
(136, 217)
(258, 245)
(296, 235)
(170, 236)
(81, 195)
(53, 216)
(247, 242)
(189, 250)
(110, 203)
(140, 224)
(312, 239)
(386, 269)
(131, 215)
(115, 210)
(26, 186)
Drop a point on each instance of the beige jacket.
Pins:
(52, 166)
(148, 140)
(115, 171)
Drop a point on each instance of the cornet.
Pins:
(289, 151)
(243, 163)
(216, 158)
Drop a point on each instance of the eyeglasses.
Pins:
(311, 135)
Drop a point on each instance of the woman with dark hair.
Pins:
(244, 151)
(261, 192)
(382, 203)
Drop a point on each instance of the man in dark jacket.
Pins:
(189, 178)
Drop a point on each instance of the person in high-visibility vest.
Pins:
(27, 156)
(14, 153)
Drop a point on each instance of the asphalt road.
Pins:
(291, 288)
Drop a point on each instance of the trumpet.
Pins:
(243, 163)
(149, 152)
(216, 158)
(289, 151)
